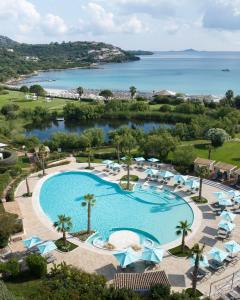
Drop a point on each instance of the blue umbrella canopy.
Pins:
(153, 160)
(234, 193)
(225, 202)
(127, 257)
(232, 247)
(219, 195)
(203, 263)
(193, 184)
(32, 241)
(46, 247)
(218, 254)
(139, 159)
(107, 162)
(228, 216)
(151, 172)
(152, 254)
(228, 226)
(180, 178)
(166, 174)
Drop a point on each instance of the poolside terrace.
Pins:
(91, 259)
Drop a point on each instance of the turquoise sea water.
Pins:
(152, 213)
(189, 72)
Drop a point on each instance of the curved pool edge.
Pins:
(197, 214)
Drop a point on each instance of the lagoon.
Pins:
(44, 131)
(187, 71)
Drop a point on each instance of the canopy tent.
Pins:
(192, 184)
(232, 246)
(180, 178)
(139, 159)
(152, 254)
(228, 226)
(46, 247)
(203, 263)
(151, 172)
(153, 160)
(228, 216)
(218, 254)
(225, 202)
(166, 174)
(107, 162)
(32, 241)
(234, 193)
(127, 257)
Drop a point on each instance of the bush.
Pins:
(4, 181)
(15, 171)
(7, 227)
(37, 265)
(12, 267)
(10, 195)
(160, 292)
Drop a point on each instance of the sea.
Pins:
(190, 72)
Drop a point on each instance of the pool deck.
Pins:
(102, 262)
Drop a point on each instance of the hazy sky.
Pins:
(130, 24)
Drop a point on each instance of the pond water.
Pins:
(44, 131)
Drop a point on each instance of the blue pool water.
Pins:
(148, 212)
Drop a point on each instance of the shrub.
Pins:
(7, 227)
(37, 265)
(4, 181)
(10, 195)
(15, 171)
(160, 292)
(12, 267)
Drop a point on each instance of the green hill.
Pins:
(20, 59)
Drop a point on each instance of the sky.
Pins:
(130, 24)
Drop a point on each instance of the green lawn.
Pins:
(228, 153)
(19, 99)
(23, 287)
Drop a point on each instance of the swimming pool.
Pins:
(147, 212)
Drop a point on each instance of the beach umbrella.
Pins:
(203, 263)
(234, 193)
(107, 162)
(219, 195)
(151, 172)
(139, 159)
(153, 160)
(225, 202)
(228, 226)
(193, 184)
(32, 241)
(180, 178)
(232, 247)
(115, 166)
(46, 247)
(127, 257)
(153, 254)
(228, 216)
(218, 254)
(237, 199)
(166, 174)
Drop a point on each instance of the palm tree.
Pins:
(182, 229)
(133, 91)
(128, 161)
(117, 142)
(210, 151)
(89, 202)
(27, 186)
(202, 172)
(63, 225)
(196, 253)
(42, 155)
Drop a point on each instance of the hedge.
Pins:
(5, 179)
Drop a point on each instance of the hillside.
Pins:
(21, 59)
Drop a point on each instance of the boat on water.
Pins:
(225, 70)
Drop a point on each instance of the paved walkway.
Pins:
(102, 262)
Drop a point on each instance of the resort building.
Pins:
(202, 162)
(223, 170)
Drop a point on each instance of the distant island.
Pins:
(18, 59)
